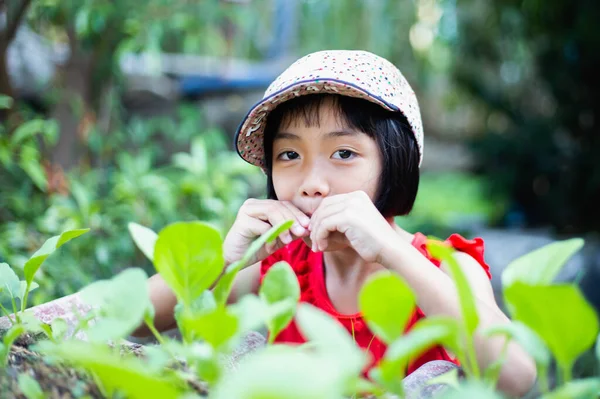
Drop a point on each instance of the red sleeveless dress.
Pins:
(308, 267)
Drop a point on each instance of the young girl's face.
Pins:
(314, 162)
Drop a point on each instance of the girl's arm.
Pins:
(163, 299)
(437, 295)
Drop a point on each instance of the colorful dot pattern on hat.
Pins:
(346, 72)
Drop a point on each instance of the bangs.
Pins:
(307, 110)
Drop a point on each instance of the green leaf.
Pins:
(361, 387)
(12, 334)
(32, 323)
(223, 287)
(157, 357)
(552, 311)
(280, 284)
(189, 257)
(23, 288)
(386, 302)
(453, 340)
(217, 327)
(199, 354)
(129, 375)
(449, 378)
(254, 313)
(470, 390)
(144, 238)
(470, 317)
(392, 368)
(9, 283)
(283, 372)
(34, 170)
(208, 366)
(251, 312)
(580, 389)
(526, 337)
(27, 130)
(269, 236)
(59, 328)
(6, 156)
(5, 101)
(205, 302)
(467, 302)
(82, 197)
(51, 132)
(331, 338)
(82, 21)
(51, 245)
(9, 338)
(4, 351)
(30, 387)
(121, 304)
(541, 266)
(225, 283)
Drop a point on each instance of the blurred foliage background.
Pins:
(124, 111)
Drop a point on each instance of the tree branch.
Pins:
(13, 21)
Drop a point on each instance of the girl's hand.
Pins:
(255, 218)
(355, 216)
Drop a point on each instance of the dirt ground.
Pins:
(56, 381)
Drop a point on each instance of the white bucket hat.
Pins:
(346, 72)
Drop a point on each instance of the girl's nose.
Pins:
(314, 185)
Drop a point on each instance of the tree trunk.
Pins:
(83, 79)
(73, 111)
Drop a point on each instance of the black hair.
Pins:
(399, 179)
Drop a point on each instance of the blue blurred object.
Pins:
(198, 85)
(253, 76)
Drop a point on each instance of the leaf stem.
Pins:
(473, 365)
(543, 379)
(271, 339)
(15, 311)
(24, 301)
(154, 331)
(6, 313)
(566, 375)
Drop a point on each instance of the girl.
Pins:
(340, 139)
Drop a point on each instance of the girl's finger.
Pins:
(271, 247)
(283, 212)
(273, 212)
(260, 209)
(254, 227)
(324, 211)
(332, 223)
(281, 215)
(299, 228)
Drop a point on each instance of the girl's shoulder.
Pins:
(474, 247)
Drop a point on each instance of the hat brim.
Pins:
(250, 133)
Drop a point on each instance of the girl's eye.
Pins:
(288, 155)
(343, 154)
